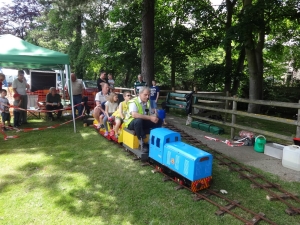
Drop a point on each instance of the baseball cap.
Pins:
(16, 95)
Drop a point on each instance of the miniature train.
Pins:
(187, 165)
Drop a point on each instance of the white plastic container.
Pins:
(291, 157)
(274, 150)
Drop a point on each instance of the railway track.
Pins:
(274, 191)
(224, 205)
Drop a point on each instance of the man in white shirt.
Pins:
(20, 87)
(78, 92)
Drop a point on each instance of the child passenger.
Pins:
(120, 113)
(111, 106)
(4, 109)
(17, 104)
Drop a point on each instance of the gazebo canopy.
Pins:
(17, 53)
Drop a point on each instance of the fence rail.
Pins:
(233, 111)
(212, 101)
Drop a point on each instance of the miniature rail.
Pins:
(231, 204)
(275, 192)
(207, 195)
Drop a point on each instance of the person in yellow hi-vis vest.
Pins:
(138, 117)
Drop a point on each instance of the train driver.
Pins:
(138, 117)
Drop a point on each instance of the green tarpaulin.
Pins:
(17, 53)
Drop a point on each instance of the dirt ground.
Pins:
(243, 154)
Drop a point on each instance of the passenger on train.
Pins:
(111, 106)
(120, 113)
(99, 110)
(138, 117)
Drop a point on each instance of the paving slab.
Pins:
(243, 154)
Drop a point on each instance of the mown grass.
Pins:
(57, 176)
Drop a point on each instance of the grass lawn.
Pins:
(56, 176)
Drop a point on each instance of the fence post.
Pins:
(298, 123)
(173, 89)
(226, 105)
(195, 89)
(233, 117)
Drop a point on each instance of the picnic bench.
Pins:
(176, 100)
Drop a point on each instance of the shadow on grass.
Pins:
(91, 181)
(81, 173)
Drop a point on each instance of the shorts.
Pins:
(5, 116)
(119, 118)
(153, 104)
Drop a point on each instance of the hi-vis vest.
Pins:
(128, 116)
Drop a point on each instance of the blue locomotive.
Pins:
(186, 164)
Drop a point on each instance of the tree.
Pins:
(147, 56)
(19, 17)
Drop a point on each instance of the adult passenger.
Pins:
(138, 116)
(139, 84)
(20, 86)
(101, 80)
(78, 92)
(53, 102)
(100, 99)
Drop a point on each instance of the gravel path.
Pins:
(243, 154)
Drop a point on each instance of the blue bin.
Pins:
(161, 114)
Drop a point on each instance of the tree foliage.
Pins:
(195, 45)
(18, 17)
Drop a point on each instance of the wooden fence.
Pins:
(219, 102)
(233, 111)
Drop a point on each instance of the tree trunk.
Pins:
(173, 70)
(147, 64)
(239, 71)
(259, 58)
(228, 48)
(255, 77)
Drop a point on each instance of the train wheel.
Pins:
(198, 186)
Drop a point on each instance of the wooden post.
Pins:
(195, 89)
(226, 106)
(233, 116)
(298, 123)
(173, 89)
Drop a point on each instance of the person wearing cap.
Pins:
(53, 102)
(20, 87)
(17, 104)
